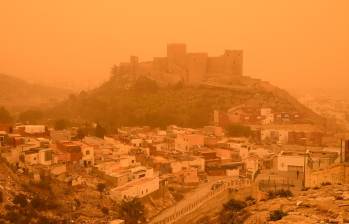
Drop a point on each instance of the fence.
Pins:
(191, 206)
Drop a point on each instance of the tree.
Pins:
(99, 131)
(238, 130)
(145, 85)
(21, 200)
(101, 188)
(61, 124)
(81, 133)
(233, 212)
(132, 211)
(5, 116)
(277, 215)
(30, 116)
(114, 70)
(105, 210)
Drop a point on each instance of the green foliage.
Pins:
(325, 183)
(132, 211)
(233, 212)
(277, 215)
(280, 193)
(99, 131)
(23, 212)
(250, 200)
(5, 116)
(61, 124)
(105, 210)
(16, 217)
(20, 200)
(234, 205)
(238, 130)
(40, 203)
(30, 116)
(81, 133)
(101, 187)
(121, 102)
(45, 183)
(145, 85)
(114, 70)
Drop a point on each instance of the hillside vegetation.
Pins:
(17, 94)
(142, 102)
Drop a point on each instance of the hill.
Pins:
(121, 102)
(17, 94)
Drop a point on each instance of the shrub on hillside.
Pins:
(233, 212)
(277, 215)
(280, 193)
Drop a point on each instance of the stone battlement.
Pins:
(190, 68)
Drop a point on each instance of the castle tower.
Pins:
(133, 64)
(233, 62)
(176, 54)
(197, 67)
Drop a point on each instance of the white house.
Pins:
(185, 142)
(45, 156)
(88, 157)
(136, 189)
(290, 161)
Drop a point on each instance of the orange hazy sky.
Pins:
(288, 42)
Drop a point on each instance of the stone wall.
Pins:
(336, 174)
(192, 68)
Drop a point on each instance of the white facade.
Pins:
(243, 152)
(178, 166)
(184, 142)
(233, 172)
(31, 158)
(88, 155)
(136, 189)
(278, 135)
(34, 129)
(268, 119)
(266, 111)
(288, 162)
(252, 164)
(45, 157)
(136, 142)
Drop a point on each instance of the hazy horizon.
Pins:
(295, 45)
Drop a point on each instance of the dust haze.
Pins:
(298, 45)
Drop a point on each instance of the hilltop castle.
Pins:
(190, 68)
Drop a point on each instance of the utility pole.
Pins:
(341, 153)
(305, 153)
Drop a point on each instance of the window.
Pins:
(87, 152)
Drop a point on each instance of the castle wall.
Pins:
(196, 67)
(192, 68)
(160, 64)
(133, 64)
(233, 60)
(176, 54)
(144, 68)
(215, 65)
(124, 68)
